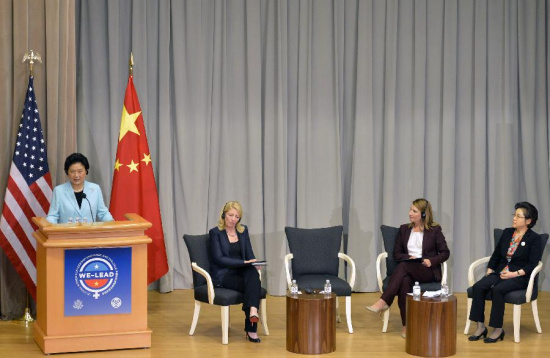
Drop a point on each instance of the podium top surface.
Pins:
(135, 226)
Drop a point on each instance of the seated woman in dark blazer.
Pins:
(230, 246)
(422, 238)
(516, 255)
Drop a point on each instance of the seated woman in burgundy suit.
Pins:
(516, 255)
(421, 238)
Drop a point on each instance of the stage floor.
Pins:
(170, 317)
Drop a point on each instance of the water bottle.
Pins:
(416, 291)
(328, 288)
(444, 290)
(70, 220)
(77, 220)
(294, 288)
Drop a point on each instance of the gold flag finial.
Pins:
(30, 57)
(131, 63)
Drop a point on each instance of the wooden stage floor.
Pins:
(170, 317)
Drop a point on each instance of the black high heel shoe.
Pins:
(476, 338)
(494, 340)
(250, 339)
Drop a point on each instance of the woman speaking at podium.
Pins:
(77, 199)
(421, 249)
(230, 246)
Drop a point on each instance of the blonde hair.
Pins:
(228, 206)
(425, 208)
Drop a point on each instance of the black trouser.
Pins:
(247, 281)
(499, 288)
(401, 283)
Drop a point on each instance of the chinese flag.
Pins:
(134, 189)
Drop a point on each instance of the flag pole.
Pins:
(131, 64)
(29, 57)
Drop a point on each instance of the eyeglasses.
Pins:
(518, 217)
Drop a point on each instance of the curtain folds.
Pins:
(47, 27)
(311, 114)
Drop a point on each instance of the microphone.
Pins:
(90, 205)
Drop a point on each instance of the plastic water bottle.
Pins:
(70, 220)
(294, 288)
(328, 288)
(416, 291)
(444, 290)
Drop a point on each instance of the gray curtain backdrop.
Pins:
(320, 113)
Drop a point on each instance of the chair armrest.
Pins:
(534, 274)
(206, 275)
(379, 259)
(288, 257)
(350, 262)
(473, 265)
(444, 273)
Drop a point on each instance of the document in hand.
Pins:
(256, 263)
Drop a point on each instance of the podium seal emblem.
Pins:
(96, 275)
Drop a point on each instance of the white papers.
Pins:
(432, 293)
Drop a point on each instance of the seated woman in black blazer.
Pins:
(516, 255)
(421, 239)
(230, 246)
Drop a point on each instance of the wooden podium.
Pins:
(54, 331)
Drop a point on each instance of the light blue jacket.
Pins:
(65, 206)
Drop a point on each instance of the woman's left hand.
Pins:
(427, 263)
(507, 275)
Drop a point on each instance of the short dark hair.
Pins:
(529, 211)
(76, 158)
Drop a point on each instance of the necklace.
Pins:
(232, 235)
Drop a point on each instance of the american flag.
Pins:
(28, 193)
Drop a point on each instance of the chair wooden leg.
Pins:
(386, 319)
(535, 309)
(517, 322)
(348, 314)
(195, 317)
(263, 315)
(468, 309)
(225, 324)
(337, 311)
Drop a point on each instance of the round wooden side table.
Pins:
(431, 326)
(311, 323)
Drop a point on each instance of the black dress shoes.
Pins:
(494, 340)
(476, 338)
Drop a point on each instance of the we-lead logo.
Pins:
(96, 275)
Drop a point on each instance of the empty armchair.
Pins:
(314, 258)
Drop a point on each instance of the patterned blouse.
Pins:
(514, 243)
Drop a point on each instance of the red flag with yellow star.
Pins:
(134, 189)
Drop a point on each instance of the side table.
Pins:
(431, 326)
(311, 323)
